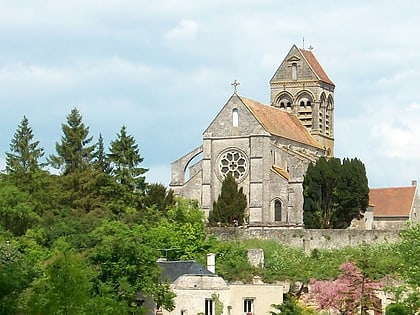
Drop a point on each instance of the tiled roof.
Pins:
(316, 67)
(172, 270)
(280, 123)
(392, 201)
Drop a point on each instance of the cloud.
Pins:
(185, 30)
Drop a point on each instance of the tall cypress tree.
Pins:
(335, 193)
(74, 152)
(229, 209)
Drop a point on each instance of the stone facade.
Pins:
(267, 148)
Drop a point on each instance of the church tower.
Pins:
(302, 87)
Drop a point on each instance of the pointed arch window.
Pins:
(235, 117)
(277, 210)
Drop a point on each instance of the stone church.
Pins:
(266, 147)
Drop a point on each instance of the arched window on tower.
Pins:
(277, 210)
(235, 117)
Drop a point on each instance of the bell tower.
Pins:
(302, 87)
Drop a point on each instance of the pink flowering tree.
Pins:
(351, 293)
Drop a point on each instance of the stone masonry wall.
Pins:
(309, 239)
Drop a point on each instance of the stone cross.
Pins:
(235, 85)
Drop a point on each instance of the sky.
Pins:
(164, 70)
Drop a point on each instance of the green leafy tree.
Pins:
(397, 309)
(74, 152)
(17, 210)
(125, 261)
(229, 209)
(15, 275)
(288, 307)
(335, 193)
(64, 288)
(22, 162)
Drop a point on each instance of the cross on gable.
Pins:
(235, 85)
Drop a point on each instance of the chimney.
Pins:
(414, 183)
(211, 262)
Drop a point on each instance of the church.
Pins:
(266, 147)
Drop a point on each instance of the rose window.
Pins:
(234, 162)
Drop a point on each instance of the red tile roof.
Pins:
(316, 67)
(280, 123)
(393, 201)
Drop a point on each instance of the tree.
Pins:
(22, 162)
(157, 195)
(101, 162)
(65, 287)
(335, 193)
(409, 250)
(397, 309)
(125, 159)
(347, 294)
(73, 153)
(230, 205)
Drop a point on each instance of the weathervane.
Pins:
(235, 85)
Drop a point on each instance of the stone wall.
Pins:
(309, 239)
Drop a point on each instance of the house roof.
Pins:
(392, 201)
(315, 65)
(280, 123)
(172, 270)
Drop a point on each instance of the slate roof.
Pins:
(316, 67)
(280, 123)
(392, 201)
(172, 270)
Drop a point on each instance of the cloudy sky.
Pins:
(163, 68)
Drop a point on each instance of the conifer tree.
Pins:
(22, 162)
(229, 209)
(101, 162)
(74, 152)
(335, 193)
(125, 159)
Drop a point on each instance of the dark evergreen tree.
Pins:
(101, 162)
(157, 195)
(335, 193)
(229, 209)
(22, 162)
(74, 152)
(125, 159)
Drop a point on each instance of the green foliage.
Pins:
(17, 211)
(289, 306)
(410, 252)
(125, 159)
(397, 309)
(22, 162)
(15, 275)
(229, 209)
(73, 153)
(64, 288)
(335, 193)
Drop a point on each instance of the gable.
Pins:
(223, 126)
(392, 201)
(307, 66)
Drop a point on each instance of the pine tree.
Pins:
(229, 209)
(22, 162)
(73, 153)
(101, 162)
(125, 159)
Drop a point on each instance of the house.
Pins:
(200, 291)
(267, 148)
(392, 207)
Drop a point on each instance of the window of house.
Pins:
(277, 210)
(248, 306)
(235, 117)
(294, 71)
(208, 307)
